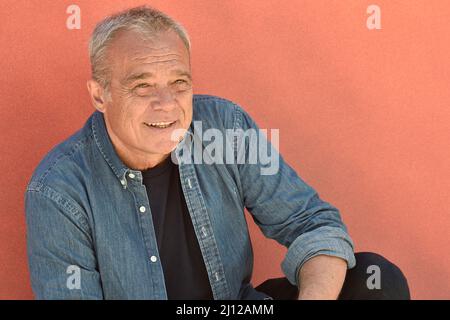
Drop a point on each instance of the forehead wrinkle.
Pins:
(132, 70)
(162, 57)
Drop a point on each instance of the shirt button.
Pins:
(142, 209)
(132, 175)
(153, 259)
(122, 182)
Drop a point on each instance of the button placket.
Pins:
(144, 213)
(204, 232)
(207, 242)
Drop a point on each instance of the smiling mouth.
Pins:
(159, 125)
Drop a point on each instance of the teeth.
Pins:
(160, 124)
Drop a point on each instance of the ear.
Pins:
(97, 95)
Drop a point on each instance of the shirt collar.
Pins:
(106, 147)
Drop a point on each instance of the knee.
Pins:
(375, 277)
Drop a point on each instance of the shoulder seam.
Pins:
(67, 154)
(64, 203)
(237, 117)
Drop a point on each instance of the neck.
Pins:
(141, 162)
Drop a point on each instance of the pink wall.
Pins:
(363, 114)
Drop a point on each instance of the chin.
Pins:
(164, 147)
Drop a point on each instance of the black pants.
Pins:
(392, 285)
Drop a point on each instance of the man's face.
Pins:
(150, 93)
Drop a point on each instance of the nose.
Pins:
(163, 100)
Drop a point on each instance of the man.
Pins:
(120, 211)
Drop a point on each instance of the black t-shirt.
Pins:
(182, 261)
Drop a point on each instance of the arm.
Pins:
(291, 212)
(322, 278)
(59, 246)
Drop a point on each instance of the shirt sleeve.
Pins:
(287, 209)
(61, 256)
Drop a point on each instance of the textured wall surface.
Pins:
(363, 114)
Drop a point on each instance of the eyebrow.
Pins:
(144, 75)
(179, 72)
(137, 76)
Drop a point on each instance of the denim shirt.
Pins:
(89, 227)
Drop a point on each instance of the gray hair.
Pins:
(145, 20)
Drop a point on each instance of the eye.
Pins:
(142, 85)
(180, 81)
(181, 85)
(142, 89)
